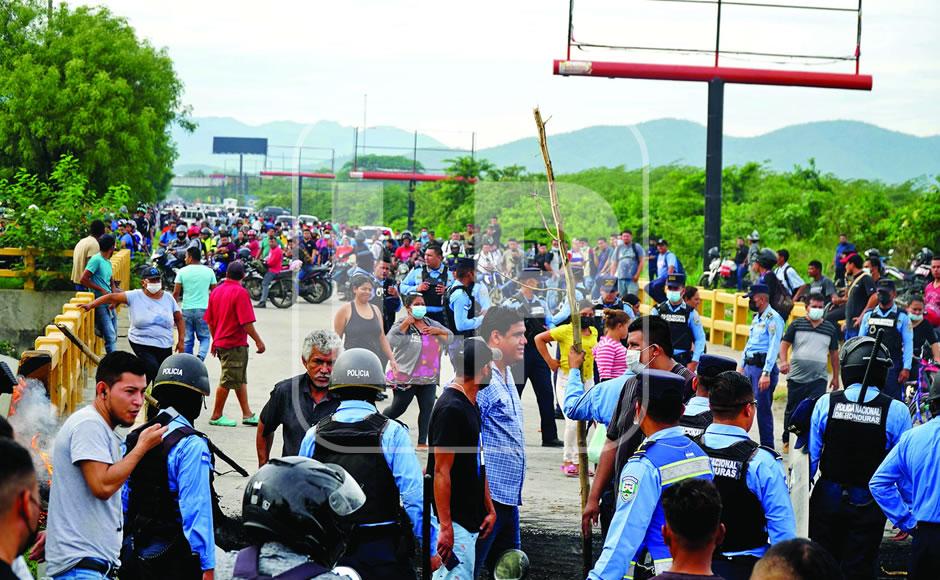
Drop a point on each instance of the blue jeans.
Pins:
(765, 401)
(196, 327)
(505, 536)
(625, 285)
(266, 286)
(465, 551)
(82, 573)
(106, 327)
(742, 272)
(796, 392)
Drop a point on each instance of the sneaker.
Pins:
(553, 443)
(222, 421)
(252, 420)
(260, 305)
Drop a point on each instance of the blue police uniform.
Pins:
(757, 511)
(697, 416)
(433, 277)
(847, 442)
(898, 337)
(460, 305)
(760, 357)
(907, 488)
(665, 458)
(399, 455)
(599, 403)
(564, 313)
(685, 323)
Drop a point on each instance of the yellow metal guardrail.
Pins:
(728, 316)
(70, 368)
(120, 262)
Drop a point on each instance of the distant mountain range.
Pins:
(849, 149)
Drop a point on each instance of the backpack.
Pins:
(782, 302)
(449, 318)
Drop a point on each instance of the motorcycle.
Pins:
(721, 272)
(281, 292)
(340, 275)
(913, 280)
(314, 284)
(168, 264)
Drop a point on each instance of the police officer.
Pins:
(755, 499)
(380, 546)
(698, 415)
(532, 367)
(466, 301)
(431, 280)
(759, 362)
(609, 298)
(296, 511)
(665, 457)
(907, 489)
(851, 432)
(387, 298)
(170, 500)
(898, 335)
(688, 337)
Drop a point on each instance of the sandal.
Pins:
(222, 421)
(570, 470)
(251, 421)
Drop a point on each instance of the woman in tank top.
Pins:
(359, 323)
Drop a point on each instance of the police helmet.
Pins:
(303, 504)
(854, 357)
(184, 370)
(244, 254)
(205, 232)
(358, 368)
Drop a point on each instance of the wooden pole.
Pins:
(587, 555)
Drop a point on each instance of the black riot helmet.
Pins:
(303, 504)
(853, 359)
(182, 382)
(357, 374)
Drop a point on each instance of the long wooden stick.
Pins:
(587, 554)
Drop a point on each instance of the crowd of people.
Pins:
(679, 487)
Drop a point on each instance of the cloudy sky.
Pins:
(449, 68)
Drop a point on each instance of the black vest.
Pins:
(384, 302)
(695, 425)
(678, 324)
(153, 511)
(533, 314)
(246, 568)
(357, 448)
(473, 311)
(889, 323)
(431, 297)
(855, 441)
(741, 509)
(599, 308)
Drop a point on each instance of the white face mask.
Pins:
(154, 287)
(633, 360)
(816, 313)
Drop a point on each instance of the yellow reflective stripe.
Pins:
(694, 467)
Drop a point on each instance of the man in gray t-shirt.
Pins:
(85, 526)
(815, 344)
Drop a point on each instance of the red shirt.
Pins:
(274, 261)
(229, 311)
(403, 253)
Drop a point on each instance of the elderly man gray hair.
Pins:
(299, 402)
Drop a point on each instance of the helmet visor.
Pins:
(348, 497)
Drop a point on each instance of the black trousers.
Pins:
(852, 533)
(925, 552)
(152, 357)
(161, 559)
(379, 555)
(735, 568)
(401, 399)
(534, 369)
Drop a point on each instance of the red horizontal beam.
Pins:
(398, 176)
(298, 174)
(747, 76)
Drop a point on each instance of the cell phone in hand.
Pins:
(452, 562)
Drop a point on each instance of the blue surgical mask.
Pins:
(916, 317)
(673, 295)
(419, 311)
(816, 313)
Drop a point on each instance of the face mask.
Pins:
(154, 287)
(752, 305)
(816, 313)
(33, 534)
(633, 360)
(916, 317)
(673, 295)
(419, 311)
(587, 322)
(884, 298)
(867, 271)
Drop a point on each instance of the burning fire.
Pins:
(46, 460)
(17, 395)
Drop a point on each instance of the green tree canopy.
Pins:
(83, 84)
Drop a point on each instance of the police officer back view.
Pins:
(698, 415)
(296, 511)
(851, 431)
(169, 529)
(665, 458)
(536, 316)
(756, 508)
(381, 544)
(907, 488)
(688, 337)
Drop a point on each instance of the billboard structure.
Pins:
(240, 146)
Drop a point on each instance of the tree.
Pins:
(382, 163)
(84, 85)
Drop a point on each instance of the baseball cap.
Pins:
(711, 365)
(675, 280)
(149, 273)
(759, 288)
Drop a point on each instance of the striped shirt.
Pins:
(610, 357)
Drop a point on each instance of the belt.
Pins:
(96, 565)
(757, 359)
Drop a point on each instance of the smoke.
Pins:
(35, 423)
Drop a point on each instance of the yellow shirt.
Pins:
(564, 336)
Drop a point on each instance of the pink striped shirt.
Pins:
(610, 357)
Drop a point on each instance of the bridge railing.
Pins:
(725, 316)
(70, 369)
(120, 261)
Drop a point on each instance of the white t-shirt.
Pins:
(81, 525)
(151, 320)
